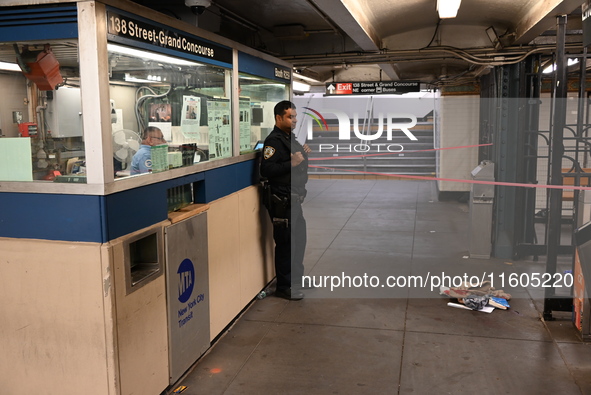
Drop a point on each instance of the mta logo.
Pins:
(345, 124)
(186, 274)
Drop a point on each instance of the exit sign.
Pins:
(372, 87)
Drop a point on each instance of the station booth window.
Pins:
(41, 122)
(205, 107)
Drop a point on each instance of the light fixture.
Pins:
(148, 55)
(130, 78)
(300, 87)
(448, 8)
(9, 66)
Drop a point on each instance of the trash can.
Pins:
(481, 208)
(187, 285)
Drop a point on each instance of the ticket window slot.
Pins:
(144, 259)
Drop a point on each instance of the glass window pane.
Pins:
(258, 97)
(167, 112)
(41, 119)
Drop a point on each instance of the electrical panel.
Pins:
(63, 114)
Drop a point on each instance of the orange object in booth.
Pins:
(51, 174)
(44, 69)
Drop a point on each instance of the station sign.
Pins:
(133, 28)
(372, 88)
(283, 73)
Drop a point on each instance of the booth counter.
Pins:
(92, 254)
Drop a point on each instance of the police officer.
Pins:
(285, 165)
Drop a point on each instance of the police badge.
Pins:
(268, 152)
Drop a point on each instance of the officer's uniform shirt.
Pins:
(276, 164)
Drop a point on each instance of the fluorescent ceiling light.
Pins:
(138, 53)
(418, 95)
(300, 87)
(9, 66)
(129, 78)
(448, 8)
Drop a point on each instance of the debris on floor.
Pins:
(482, 297)
(499, 303)
(476, 302)
(485, 309)
(485, 288)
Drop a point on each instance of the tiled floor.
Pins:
(403, 340)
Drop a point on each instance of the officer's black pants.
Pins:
(290, 246)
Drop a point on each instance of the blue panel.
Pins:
(103, 218)
(256, 66)
(42, 23)
(38, 32)
(66, 19)
(226, 180)
(245, 175)
(51, 217)
(30, 12)
(219, 182)
(135, 209)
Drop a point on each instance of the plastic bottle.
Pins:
(262, 295)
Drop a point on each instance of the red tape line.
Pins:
(509, 184)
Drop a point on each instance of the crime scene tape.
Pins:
(509, 184)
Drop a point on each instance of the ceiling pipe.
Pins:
(477, 56)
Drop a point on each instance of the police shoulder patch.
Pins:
(268, 152)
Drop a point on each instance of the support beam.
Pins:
(507, 143)
(350, 16)
(539, 16)
(389, 71)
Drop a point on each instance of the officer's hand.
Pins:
(307, 149)
(296, 159)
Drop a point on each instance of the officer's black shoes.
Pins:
(289, 294)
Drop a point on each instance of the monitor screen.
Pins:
(259, 145)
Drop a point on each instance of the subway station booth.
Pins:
(115, 282)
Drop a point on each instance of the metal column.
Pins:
(526, 234)
(555, 169)
(506, 154)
